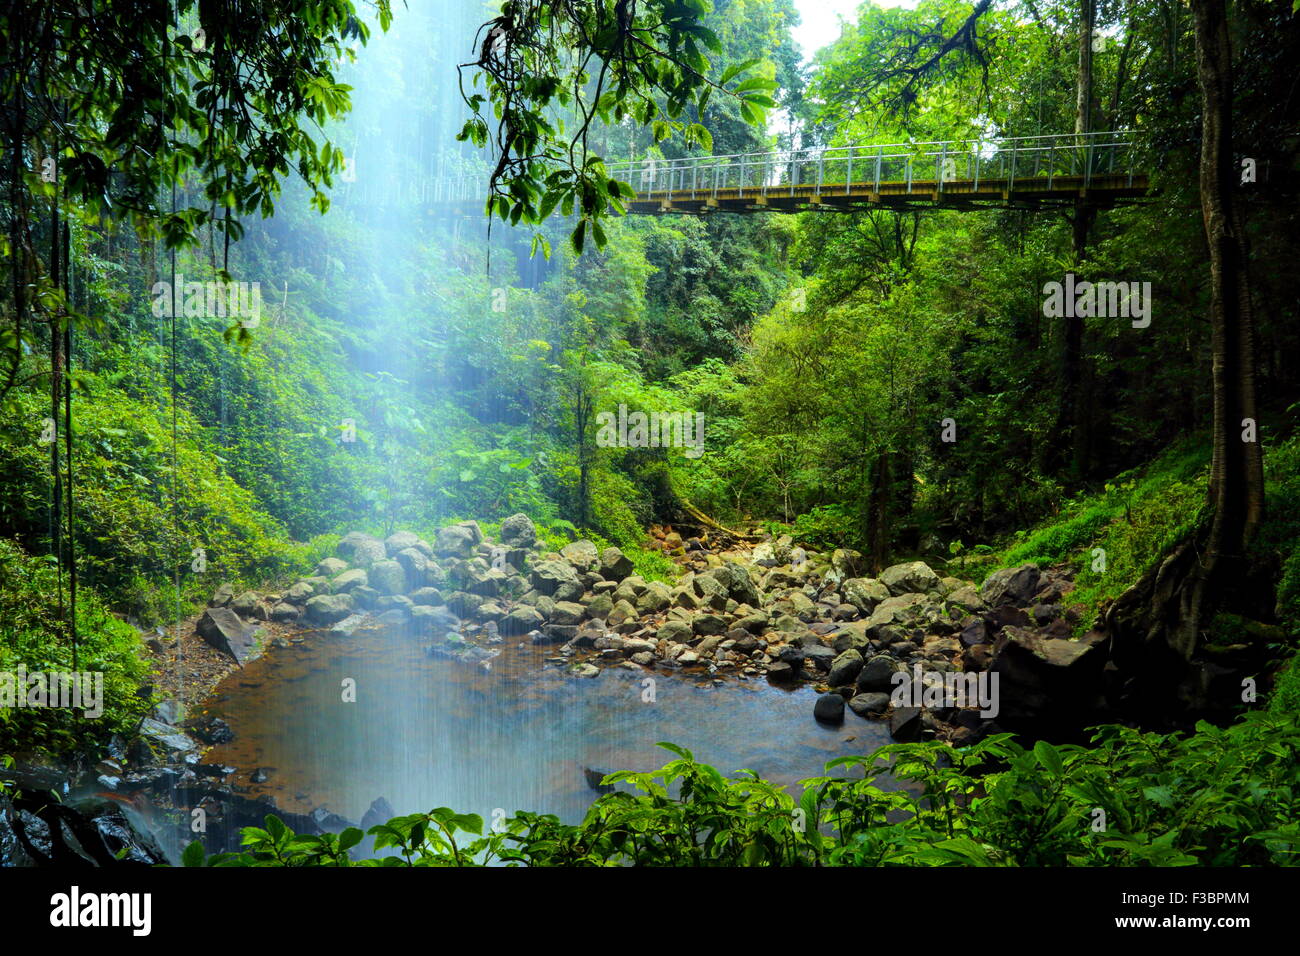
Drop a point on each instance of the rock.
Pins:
(415, 564)
(584, 670)
(914, 577)
(549, 576)
(622, 612)
(709, 624)
(223, 596)
(400, 541)
(212, 730)
(1048, 677)
(581, 554)
(457, 540)
(819, 655)
(976, 632)
(675, 632)
(600, 606)
(872, 704)
(361, 550)
(829, 709)
(387, 577)
(905, 724)
(518, 531)
(1011, 585)
(349, 625)
(433, 622)
(656, 597)
(428, 596)
(781, 672)
(711, 592)
(906, 611)
(846, 563)
(168, 737)
(567, 612)
(247, 605)
(864, 593)
(224, 630)
(300, 592)
(877, 674)
(349, 580)
(328, 608)
(966, 599)
(284, 612)
(520, 621)
(845, 668)
(615, 565)
(330, 567)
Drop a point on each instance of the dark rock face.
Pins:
(224, 630)
(518, 531)
(84, 833)
(829, 709)
(1047, 679)
(1011, 585)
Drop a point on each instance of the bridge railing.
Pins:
(823, 170)
(1012, 162)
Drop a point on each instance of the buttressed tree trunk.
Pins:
(1164, 613)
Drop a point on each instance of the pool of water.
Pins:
(426, 732)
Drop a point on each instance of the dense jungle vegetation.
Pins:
(825, 350)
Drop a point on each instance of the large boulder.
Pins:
(330, 567)
(581, 554)
(829, 709)
(388, 577)
(520, 621)
(550, 576)
(914, 577)
(224, 630)
(906, 611)
(458, 540)
(326, 609)
(400, 541)
(864, 593)
(877, 674)
(656, 597)
(518, 531)
(845, 668)
(350, 580)
(1011, 586)
(846, 563)
(615, 565)
(360, 549)
(1059, 681)
(415, 564)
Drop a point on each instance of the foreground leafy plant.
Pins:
(1219, 797)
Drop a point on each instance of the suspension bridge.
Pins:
(1025, 171)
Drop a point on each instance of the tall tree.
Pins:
(1167, 610)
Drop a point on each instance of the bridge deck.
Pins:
(1101, 190)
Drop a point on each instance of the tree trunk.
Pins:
(1159, 620)
(878, 513)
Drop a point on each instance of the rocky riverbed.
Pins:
(887, 649)
(775, 611)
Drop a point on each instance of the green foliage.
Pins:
(1218, 797)
(33, 635)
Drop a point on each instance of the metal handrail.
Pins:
(811, 170)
